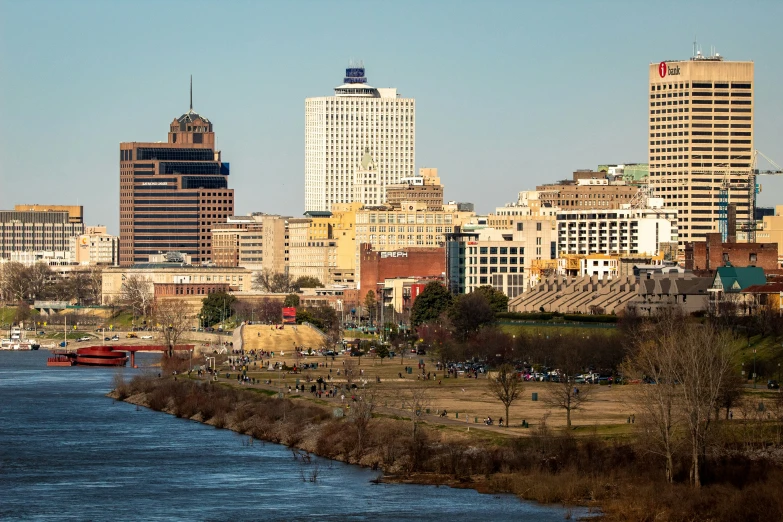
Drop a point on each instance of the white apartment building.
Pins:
(616, 231)
(700, 133)
(502, 258)
(95, 247)
(341, 129)
(603, 266)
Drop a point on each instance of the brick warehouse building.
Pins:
(376, 267)
(712, 253)
(172, 193)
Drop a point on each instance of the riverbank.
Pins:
(619, 477)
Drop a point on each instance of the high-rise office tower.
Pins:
(700, 139)
(172, 193)
(358, 122)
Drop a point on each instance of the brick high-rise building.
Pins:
(172, 193)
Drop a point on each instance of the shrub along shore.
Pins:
(619, 477)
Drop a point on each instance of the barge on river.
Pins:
(89, 356)
(108, 355)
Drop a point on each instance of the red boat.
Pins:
(61, 359)
(100, 356)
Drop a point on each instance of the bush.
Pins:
(591, 318)
(526, 316)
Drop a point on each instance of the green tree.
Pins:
(469, 313)
(497, 300)
(370, 304)
(382, 351)
(430, 304)
(291, 300)
(216, 307)
(322, 317)
(307, 282)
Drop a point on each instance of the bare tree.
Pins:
(703, 359)
(137, 293)
(79, 286)
(175, 319)
(94, 283)
(570, 355)
(13, 282)
(274, 282)
(506, 386)
(361, 416)
(415, 400)
(349, 368)
(658, 397)
(39, 275)
(690, 366)
(270, 311)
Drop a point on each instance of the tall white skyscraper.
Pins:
(341, 129)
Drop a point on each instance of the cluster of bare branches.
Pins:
(506, 386)
(137, 292)
(685, 368)
(174, 319)
(19, 282)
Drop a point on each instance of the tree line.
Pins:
(19, 282)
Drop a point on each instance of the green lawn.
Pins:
(551, 330)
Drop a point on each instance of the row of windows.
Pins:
(180, 238)
(701, 85)
(495, 250)
(496, 260)
(159, 202)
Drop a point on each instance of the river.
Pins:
(67, 452)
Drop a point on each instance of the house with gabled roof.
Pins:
(727, 286)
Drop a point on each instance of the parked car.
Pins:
(773, 385)
(85, 338)
(63, 344)
(115, 338)
(131, 336)
(146, 337)
(107, 338)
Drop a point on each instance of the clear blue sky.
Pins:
(508, 94)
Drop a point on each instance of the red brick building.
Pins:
(712, 253)
(376, 267)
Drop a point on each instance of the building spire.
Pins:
(191, 93)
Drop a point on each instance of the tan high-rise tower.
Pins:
(700, 133)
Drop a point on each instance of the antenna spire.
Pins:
(191, 93)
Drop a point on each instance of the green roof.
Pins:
(736, 279)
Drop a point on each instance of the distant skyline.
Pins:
(508, 94)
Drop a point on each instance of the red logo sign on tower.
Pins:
(662, 69)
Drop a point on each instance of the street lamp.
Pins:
(754, 368)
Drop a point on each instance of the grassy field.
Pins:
(467, 401)
(553, 330)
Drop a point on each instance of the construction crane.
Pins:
(754, 189)
(723, 201)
